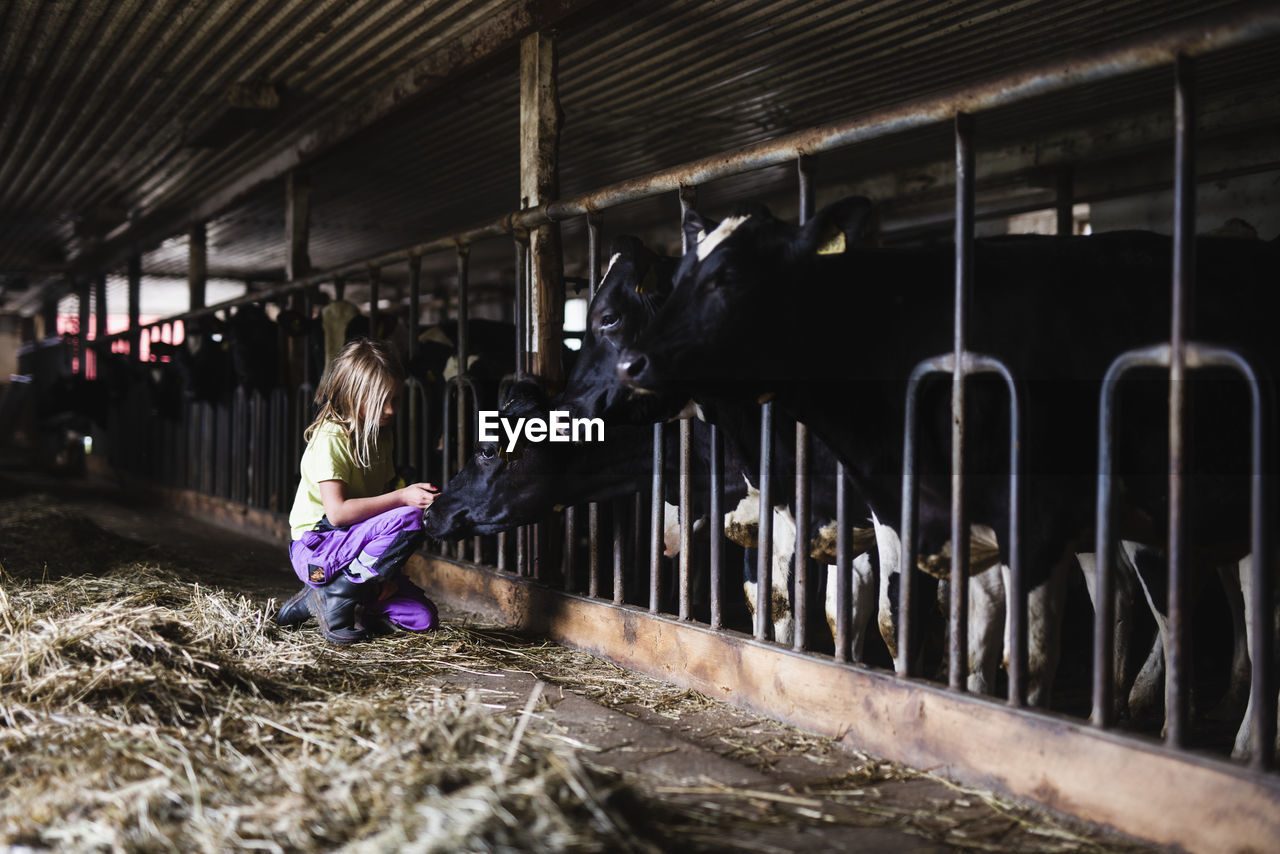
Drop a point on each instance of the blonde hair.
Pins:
(360, 381)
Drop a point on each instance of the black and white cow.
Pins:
(760, 306)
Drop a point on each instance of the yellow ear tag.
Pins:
(648, 283)
(835, 244)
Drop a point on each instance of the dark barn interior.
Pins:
(190, 191)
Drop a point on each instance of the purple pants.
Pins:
(371, 552)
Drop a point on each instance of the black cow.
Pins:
(758, 307)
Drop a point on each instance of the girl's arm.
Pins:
(342, 511)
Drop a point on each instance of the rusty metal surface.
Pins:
(1138, 787)
(696, 81)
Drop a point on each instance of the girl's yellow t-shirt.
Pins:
(329, 457)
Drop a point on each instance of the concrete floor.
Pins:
(764, 768)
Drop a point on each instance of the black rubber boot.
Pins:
(334, 607)
(294, 612)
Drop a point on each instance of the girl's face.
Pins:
(389, 407)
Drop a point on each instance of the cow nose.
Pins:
(632, 367)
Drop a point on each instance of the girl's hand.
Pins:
(418, 495)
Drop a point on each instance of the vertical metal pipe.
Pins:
(843, 569)
(688, 198)
(135, 301)
(593, 254)
(1184, 218)
(100, 345)
(656, 520)
(1017, 594)
(522, 302)
(593, 550)
(1262, 653)
(619, 551)
(800, 571)
(570, 548)
(910, 504)
(462, 422)
(1065, 201)
(764, 539)
(593, 509)
(413, 396)
(958, 658)
(715, 551)
(686, 513)
(82, 328)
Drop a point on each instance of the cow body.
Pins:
(762, 309)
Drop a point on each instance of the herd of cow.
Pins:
(830, 327)
(831, 330)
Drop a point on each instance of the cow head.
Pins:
(746, 286)
(636, 283)
(501, 488)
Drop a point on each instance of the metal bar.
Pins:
(656, 520)
(1066, 201)
(686, 513)
(764, 529)
(910, 504)
(593, 254)
(593, 550)
(800, 570)
(570, 547)
(414, 393)
(1094, 774)
(1150, 50)
(522, 304)
(958, 634)
(1262, 651)
(1178, 658)
(135, 297)
(619, 551)
(715, 552)
(1104, 608)
(82, 327)
(593, 509)
(843, 568)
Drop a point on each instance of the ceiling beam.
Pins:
(467, 54)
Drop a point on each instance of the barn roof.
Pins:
(126, 121)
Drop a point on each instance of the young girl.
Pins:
(351, 537)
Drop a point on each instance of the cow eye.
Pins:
(488, 451)
(608, 320)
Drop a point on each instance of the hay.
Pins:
(142, 712)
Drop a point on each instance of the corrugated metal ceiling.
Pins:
(100, 96)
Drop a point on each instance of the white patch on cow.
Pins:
(612, 260)
(742, 523)
(670, 529)
(451, 366)
(889, 547)
(1044, 629)
(690, 410)
(862, 596)
(784, 542)
(727, 226)
(986, 630)
(1244, 736)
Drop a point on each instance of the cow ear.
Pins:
(696, 228)
(838, 226)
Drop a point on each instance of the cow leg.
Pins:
(986, 635)
(889, 548)
(1237, 695)
(1122, 631)
(862, 595)
(1044, 629)
(784, 542)
(1243, 748)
